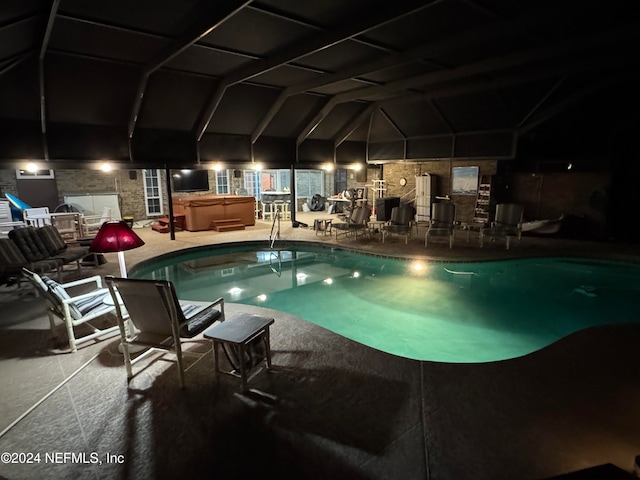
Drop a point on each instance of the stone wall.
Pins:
(8, 182)
(581, 196)
(465, 204)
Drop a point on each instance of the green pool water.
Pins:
(445, 312)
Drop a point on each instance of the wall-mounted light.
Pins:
(357, 167)
(257, 167)
(105, 166)
(217, 167)
(32, 167)
(328, 167)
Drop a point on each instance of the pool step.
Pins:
(160, 228)
(163, 224)
(227, 225)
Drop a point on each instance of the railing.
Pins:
(272, 237)
(272, 240)
(408, 193)
(277, 268)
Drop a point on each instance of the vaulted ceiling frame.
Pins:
(506, 111)
(374, 18)
(195, 32)
(129, 30)
(226, 51)
(474, 85)
(449, 44)
(496, 64)
(307, 24)
(469, 70)
(561, 106)
(17, 20)
(313, 124)
(544, 98)
(483, 67)
(349, 128)
(392, 123)
(369, 128)
(165, 68)
(397, 129)
(441, 116)
(41, 80)
(492, 85)
(16, 60)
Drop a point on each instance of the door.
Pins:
(38, 192)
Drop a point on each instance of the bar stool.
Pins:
(283, 208)
(268, 209)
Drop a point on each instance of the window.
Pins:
(275, 179)
(309, 183)
(222, 182)
(152, 193)
(252, 183)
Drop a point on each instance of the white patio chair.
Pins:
(92, 223)
(76, 310)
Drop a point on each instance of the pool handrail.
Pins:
(272, 238)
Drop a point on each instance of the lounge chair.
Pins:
(442, 223)
(46, 243)
(75, 310)
(158, 319)
(401, 222)
(12, 261)
(357, 223)
(507, 223)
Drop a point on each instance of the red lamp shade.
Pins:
(115, 236)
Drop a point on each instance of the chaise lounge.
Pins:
(357, 223)
(46, 243)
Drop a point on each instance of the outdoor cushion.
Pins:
(29, 243)
(52, 239)
(12, 259)
(77, 308)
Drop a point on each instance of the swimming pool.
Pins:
(437, 311)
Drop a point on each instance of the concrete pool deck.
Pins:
(335, 408)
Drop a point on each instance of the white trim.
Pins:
(148, 197)
(38, 174)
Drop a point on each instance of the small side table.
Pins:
(475, 227)
(377, 225)
(239, 331)
(92, 258)
(322, 225)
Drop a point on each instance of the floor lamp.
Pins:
(116, 236)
